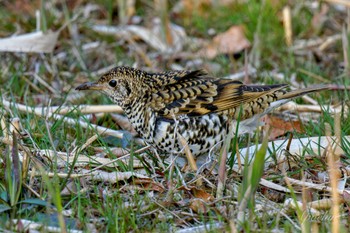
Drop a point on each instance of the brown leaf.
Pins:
(280, 127)
(229, 42)
(189, 8)
(23, 7)
(199, 6)
(199, 206)
(201, 194)
(148, 184)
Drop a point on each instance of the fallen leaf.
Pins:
(201, 194)
(35, 42)
(141, 189)
(272, 195)
(198, 206)
(22, 7)
(152, 37)
(175, 37)
(230, 42)
(198, 193)
(189, 8)
(280, 127)
(148, 184)
(139, 182)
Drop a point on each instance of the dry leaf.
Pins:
(198, 206)
(201, 194)
(148, 184)
(22, 7)
(140, 182)
(280, 127)
(229, 42)
(272, 195)
(190, 8)
(187, 8)
(36, 42)
(151, 37)
(177, 35)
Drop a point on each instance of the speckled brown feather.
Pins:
(195, 105)
(195, 95)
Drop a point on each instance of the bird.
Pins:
(193, 105)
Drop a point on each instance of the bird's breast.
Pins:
(201, 133)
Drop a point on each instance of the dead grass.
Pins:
(69, 165)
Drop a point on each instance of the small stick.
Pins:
(40, 112)
(86, 144)
(115, 160)
(343, 2)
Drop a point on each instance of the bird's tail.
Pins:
(288, 96)
(300, 92)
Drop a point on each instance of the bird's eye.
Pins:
(112, 83)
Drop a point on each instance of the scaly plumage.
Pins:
(197, 106)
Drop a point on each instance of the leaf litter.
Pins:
(188, 197)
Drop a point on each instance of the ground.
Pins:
(68, 167)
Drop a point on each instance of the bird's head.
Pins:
(121, 84)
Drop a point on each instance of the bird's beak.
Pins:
(89, 86)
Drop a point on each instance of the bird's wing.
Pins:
(196, 96)
(173, 77)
